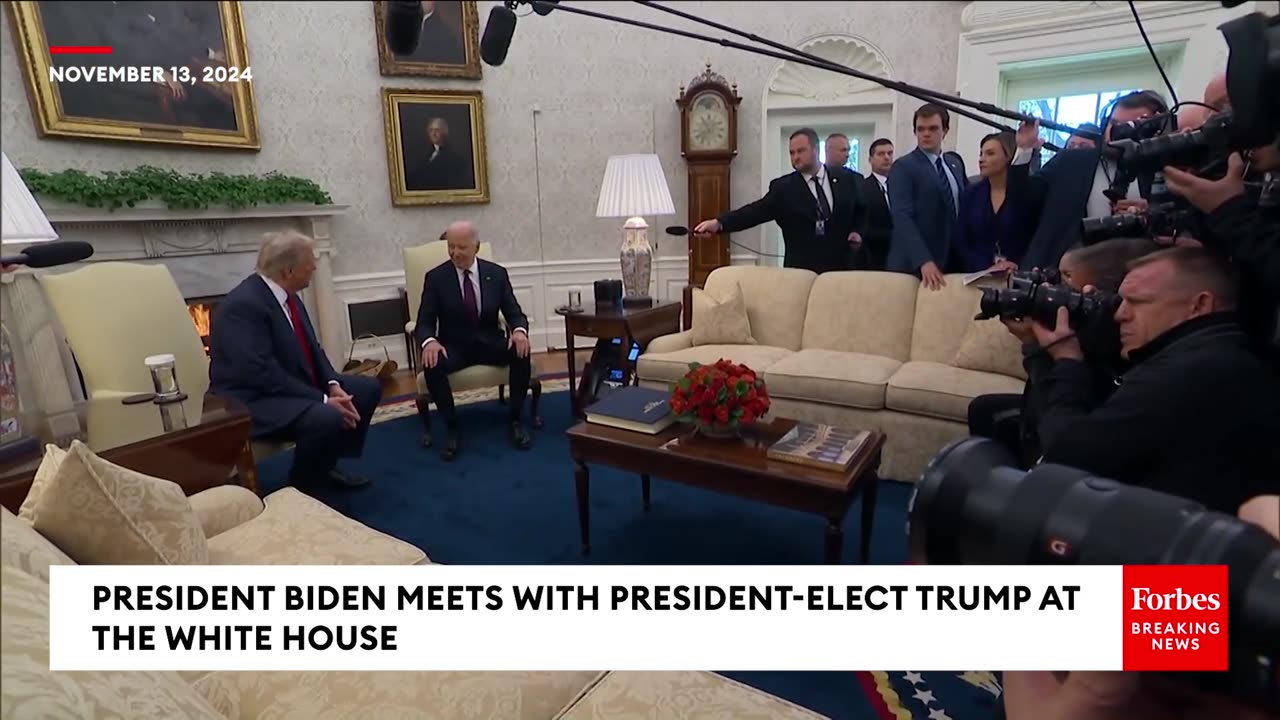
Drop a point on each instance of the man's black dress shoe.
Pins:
(342, 479)
(519, 437)
(452, 446)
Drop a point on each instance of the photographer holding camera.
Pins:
(1196, 414)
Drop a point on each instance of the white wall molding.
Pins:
(540, 288)
(1002, 33)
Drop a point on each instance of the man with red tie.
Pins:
(263, 352)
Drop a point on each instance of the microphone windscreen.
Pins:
(402, 26)
(544, 7)
(497, 36)
(58, 252)
(677, 230)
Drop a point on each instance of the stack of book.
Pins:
(819, 446)
(639, 409)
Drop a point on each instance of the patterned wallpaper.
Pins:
(600, 88)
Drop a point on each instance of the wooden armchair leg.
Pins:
(424, 413)
(536, 387)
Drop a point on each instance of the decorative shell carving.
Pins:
(825, 86)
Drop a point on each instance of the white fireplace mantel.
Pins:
(201, 246)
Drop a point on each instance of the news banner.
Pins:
(473, 618)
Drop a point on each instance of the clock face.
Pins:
(708, 123)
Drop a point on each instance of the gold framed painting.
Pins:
(174, 73)
(449, 46)
(435, 146)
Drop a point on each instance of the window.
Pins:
(854, 153)
(1071, 110)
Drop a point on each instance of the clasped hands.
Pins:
(343, 401)
(433, 351)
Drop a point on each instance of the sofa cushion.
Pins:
(28, 689)
(49, 464)
(721, 319)
(24, 548)
(401, 695)
(942, 318)
(295, 529)
(679, 696)
(831, 377)
(988, 346)
(943, 391)
(100, 513)
(776, 300)
(862, 312)
(670, 367)
(224, 507)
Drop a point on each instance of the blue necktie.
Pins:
(946, 185)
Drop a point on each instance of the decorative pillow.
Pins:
(99, 513)
(53, 456)
(988, 346)
(721, 321)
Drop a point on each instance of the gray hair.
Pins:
(464, 227)
(282, 250)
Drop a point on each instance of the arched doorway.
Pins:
(803, 96)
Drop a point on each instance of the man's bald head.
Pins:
(1215, 93)
(464, 243)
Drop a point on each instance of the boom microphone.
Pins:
(58, 252)
(677, 230)
(497, 35)
(403, 26)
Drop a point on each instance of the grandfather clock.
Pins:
(708, 142)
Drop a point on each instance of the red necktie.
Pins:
(296, 316)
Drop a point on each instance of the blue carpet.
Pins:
(496, 505)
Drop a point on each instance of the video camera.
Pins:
(1037, 295)
(973, 506)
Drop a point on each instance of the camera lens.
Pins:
(1003, 303)
(972, 506)
(1094, 230)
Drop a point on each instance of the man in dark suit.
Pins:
(874, 252)
(1070, 186)
(263, 352)
(441, 167)
(924, 198)
(458, 327)
(818, 207)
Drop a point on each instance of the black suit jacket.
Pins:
(790, 203)
(443, 315)
(449, 171)
(874, 254)
(255, 357)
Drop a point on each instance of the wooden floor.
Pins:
(554, 362)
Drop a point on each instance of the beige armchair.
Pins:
(113, 315)
(417, 262)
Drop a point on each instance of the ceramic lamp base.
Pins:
(637, 261)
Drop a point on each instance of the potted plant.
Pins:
(721, 399)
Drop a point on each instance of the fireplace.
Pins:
(201, 310)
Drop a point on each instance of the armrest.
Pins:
(670, 343)
(222, 508)
(686, 309)
(410, 326)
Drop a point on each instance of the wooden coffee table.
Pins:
(737, 467)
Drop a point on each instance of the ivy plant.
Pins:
(112, 190)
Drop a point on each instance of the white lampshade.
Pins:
(634, 186)
(23, 220)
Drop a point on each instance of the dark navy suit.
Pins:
(980, 230)
(923, 211)
(256, 358)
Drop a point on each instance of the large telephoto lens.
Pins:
(972, 506)
(1094, 230)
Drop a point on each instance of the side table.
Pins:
(638, 325)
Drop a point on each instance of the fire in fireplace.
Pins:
(201, 310)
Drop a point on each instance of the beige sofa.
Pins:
(871, 350)
(235, 527)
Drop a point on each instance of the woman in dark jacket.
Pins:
(992, 230)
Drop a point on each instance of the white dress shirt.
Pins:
(475, 285)
(282, 298)
(884, 185)
(823, 181)
(1098, 204)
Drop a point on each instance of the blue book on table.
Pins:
(635, 408)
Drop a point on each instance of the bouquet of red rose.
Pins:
(723, 395)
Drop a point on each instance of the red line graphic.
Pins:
(79, 49)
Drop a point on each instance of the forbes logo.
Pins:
(1144, 599)
(1175, 617)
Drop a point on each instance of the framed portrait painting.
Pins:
(435, 146)
(156, 72)
(449, 46)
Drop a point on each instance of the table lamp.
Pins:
(22, 222)
(635, 186)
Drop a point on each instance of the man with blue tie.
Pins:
(924, 199)
(263, 352)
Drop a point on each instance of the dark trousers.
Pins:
(463, 355)
(998, 417)
(319, 436)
